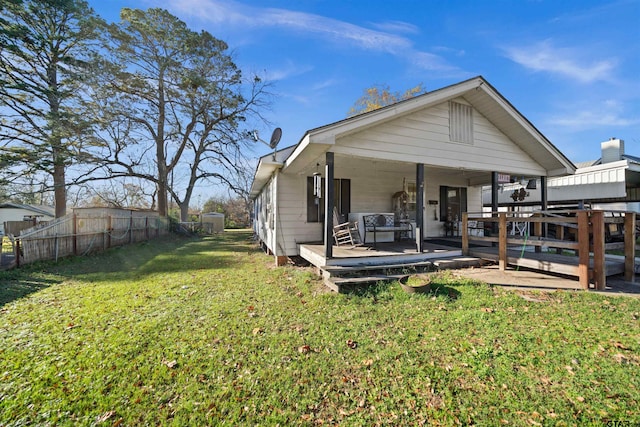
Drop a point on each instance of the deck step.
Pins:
(338, 270)
(458, 262)
(338, 284)
(335, 280)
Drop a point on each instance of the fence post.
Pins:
(599, 266)
(146, 227)
(502, 241)
(629, 246)
(74, 226)
(131, 228)
(17, 252)
(109, 230)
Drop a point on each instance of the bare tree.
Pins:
(171, 105)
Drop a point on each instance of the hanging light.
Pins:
(317, 183)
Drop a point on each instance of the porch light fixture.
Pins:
(317, 183)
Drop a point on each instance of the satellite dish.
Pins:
(275, 138)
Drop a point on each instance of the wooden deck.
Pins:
(403, 252)
(544, 261)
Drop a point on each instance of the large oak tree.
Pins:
(171, 104)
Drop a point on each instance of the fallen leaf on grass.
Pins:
(488, 309)
(352, 344)
(170, 364)
(304, 349)
(257, 331)
(367, 362)
(620, 358)
(104, 417)
(620, 346)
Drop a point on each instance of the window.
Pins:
(460, 122)
(341, 199)
(453, 202)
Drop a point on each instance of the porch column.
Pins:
(419, 207)
(328, 205)
(543, 206)
(494, 202)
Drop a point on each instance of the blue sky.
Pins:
(572, 67)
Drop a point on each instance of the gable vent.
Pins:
(460, 122)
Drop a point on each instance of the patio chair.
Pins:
(345, 233)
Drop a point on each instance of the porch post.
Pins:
(543, 206)
(328, 205)
(494, 202)
(419, 207)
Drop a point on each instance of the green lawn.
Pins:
(208, 332)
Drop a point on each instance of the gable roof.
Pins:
(477, 91)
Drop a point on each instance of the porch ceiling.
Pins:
(474, 177)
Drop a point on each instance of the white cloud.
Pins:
(324, 84)
(287, 70)
(238, 14)
(396, 27)
(611, 113)
(545, 57)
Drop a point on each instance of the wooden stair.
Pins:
(341, 279)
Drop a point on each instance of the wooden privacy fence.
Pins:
(587, 233)
(86, 232)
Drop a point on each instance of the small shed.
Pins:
(213, 222)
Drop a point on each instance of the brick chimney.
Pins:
(612, 150)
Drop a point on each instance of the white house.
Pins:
(20, 212)
(441, 148)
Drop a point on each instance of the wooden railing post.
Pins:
(502, 241)
(465, 234)
(599, 269)
(583, 249)
(629, 246)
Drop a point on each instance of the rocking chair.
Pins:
(345, 233)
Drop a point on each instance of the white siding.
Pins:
(424, 137)
(372, 185)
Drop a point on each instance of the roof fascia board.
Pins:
(603, 166)
(381, 115)
(526, 124)
(304, 143)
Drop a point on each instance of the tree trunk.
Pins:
(162, 184)
(59, 187)
(184, 211)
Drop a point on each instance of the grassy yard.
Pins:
(208, 332)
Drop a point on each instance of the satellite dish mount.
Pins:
(275, 139)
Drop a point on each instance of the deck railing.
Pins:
(588, 233)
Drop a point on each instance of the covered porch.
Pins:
(385, 253)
